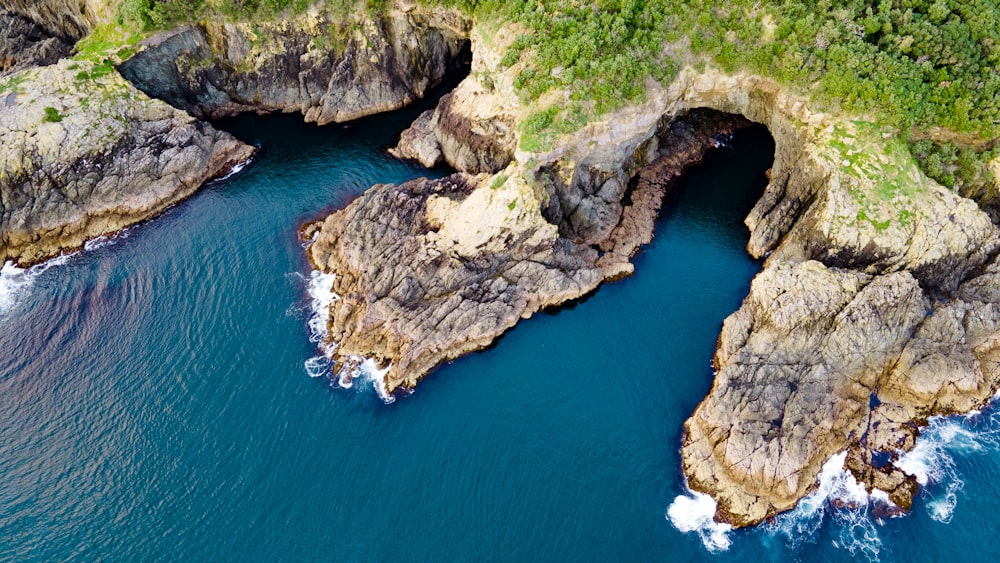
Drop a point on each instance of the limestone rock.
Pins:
(429, 270)
(797, 366)
(68, 20)
(83, 155)
(473, 128)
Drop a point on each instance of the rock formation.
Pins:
(24, 44)
(474, 128)
(876, 309)
(68, 20)
(84, 154)
(323, 66)
(429, 270)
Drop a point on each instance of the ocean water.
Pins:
(155, 401)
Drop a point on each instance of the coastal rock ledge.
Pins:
(84, 154)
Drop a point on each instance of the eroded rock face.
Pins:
(83, 156)
(877, 306)
(324, 67)
(820, 360)
(467, 130)
(429, 270)
(69, 20)
(24, 44)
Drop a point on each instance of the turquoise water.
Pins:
(154, 403)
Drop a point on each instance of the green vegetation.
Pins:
(911, 65)
(52, 115)
(954, 166)
(164, 14)
(12, 83)
(499, 181)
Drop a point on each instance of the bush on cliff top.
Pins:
(904, 63)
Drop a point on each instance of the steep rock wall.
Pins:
(83, 156)
(69, 20)
(328, 69)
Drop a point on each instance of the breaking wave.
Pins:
(695, 512)
(841, 510)
(15, 281)
(354, 371)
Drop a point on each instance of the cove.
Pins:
(155, 405)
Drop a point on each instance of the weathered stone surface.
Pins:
(82, 157)
(473, 128)
(328, 69)
(820, 360)
(429, 270)
(877, 306)
(797, 366)
(684, 143)
(468, 130)
(24, 44)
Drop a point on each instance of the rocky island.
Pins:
(879, 301)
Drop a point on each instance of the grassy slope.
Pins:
(912, 65)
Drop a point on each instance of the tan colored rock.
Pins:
(797, 366)
(429, 270)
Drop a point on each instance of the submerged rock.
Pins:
(83, 154)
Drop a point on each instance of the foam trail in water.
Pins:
(354, 367)
(695, 512)
(932, 461)
(104, 240)
(14, 281)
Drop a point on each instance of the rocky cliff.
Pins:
(321, 65)
(24, 44)
(82, 154)
(68, 20)
(429, 270)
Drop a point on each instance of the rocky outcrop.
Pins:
(24, 44)
(467, 130)
(876, 309)
(820, 360)
(328, 68)
(68, 20)
(82, 154)
(474, 128)
(429, 270)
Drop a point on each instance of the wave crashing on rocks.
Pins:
(354, 369)
(853, 516)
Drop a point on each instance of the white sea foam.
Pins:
(695, 512)
(15, 281)
(321, 292)
(354, 368)
(102, 241)
(236, 169)
(932, 461)
(845, 501)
